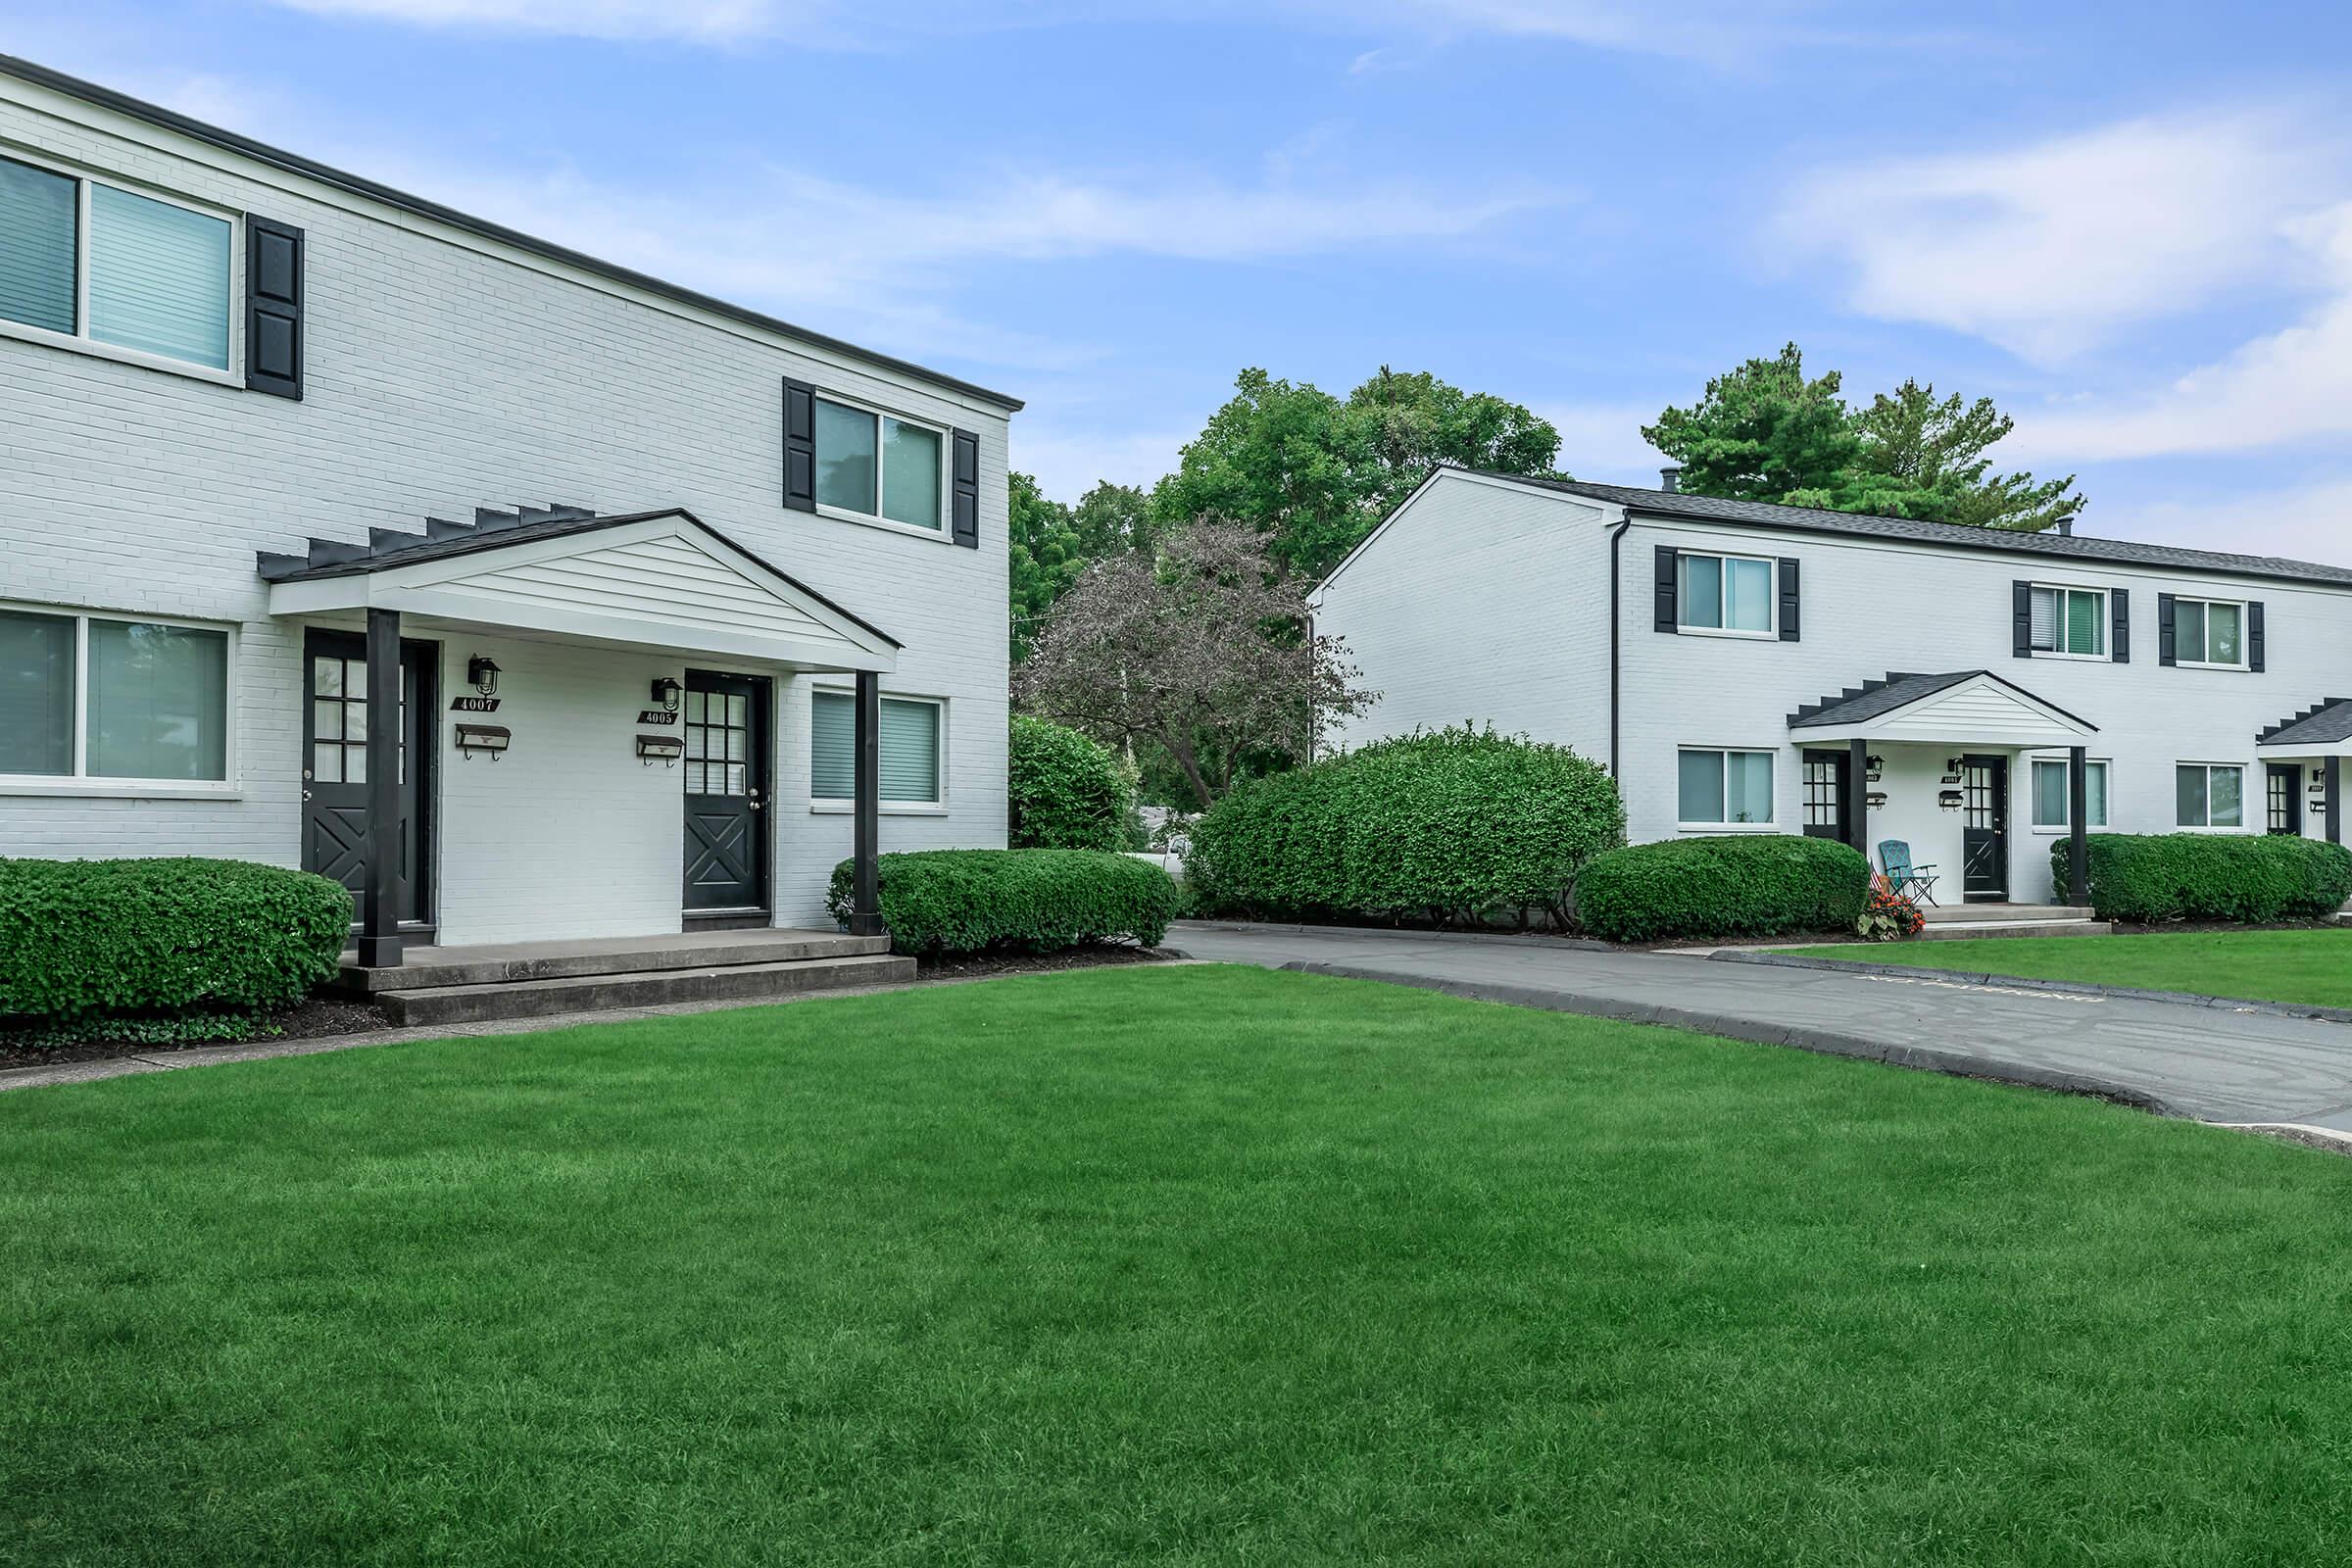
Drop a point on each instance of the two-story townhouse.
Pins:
(531, 597)
(1748, 668)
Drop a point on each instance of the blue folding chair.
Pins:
(1895, 858)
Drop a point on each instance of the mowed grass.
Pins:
(1198, 1265)
(2310, 967)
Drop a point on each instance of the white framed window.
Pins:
(112, 703)
(2054, 794)
(1723, 789)
(2209, 795)
(90, 263)
(2211, 632)
(1727, 595)
(912, 748)
(875, 466)
(2070, 622)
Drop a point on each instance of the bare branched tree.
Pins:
(1201, 648)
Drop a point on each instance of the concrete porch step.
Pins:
(1949, 930)
(431, 967)
(482, 1000)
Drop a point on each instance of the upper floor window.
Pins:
(2068, 620)
(2209, 632)
(1724, 593)
(111, 698)
(879, 466)
(84, 260)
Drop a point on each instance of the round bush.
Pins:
(1734, 886)
(1453, 826)
(2149, 878)
(1024, 901)
(83, 939)
(1065, 790)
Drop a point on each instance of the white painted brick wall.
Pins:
(1489, 632)
(440, 378)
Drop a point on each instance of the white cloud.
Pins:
(2283, 388)
(2301, 522)
(2054, 248)
(1066, 463)
(1602, 441)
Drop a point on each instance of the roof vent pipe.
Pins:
(1669, 478)
(2066, 527)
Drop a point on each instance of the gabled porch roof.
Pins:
(1967, 707)
(659, 580)
(2322, 730)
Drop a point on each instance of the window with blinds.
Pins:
(2068, 620)
(151, 701)
(155, 274)
(909, 744)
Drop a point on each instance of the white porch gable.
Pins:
(1963, 707)
(659, 580)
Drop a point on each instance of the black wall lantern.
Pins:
(665, 692)
(482, 675)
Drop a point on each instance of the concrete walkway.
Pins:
(2211, 1063)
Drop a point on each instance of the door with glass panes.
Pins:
(726, 728)
(334, 773)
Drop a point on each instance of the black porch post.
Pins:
(865, 907)
(387, 833)
(2334, 771)
(1857, 796)
(2077, 813)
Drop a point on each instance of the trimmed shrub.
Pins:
(1735, 886)
(84, 939)
(1065, 790)
(1021, 901)
(2149, 878)
(1452, 825)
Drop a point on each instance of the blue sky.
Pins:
(2130, 223)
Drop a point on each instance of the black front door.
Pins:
(2285, 798)
(726, 794)
(1828, 794)
(334, 774)
(1985, 827)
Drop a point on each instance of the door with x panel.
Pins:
(334, 766)
(726, 736)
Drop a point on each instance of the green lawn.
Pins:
(1190, 1265)
(2314, 967)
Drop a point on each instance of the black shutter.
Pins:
(1788, 599)
(2164, 629)
(273, 307)
(1666, 618)
(2119, 640)
(967, 490)
(2254, 635)
(2022, 603)
(800, 445)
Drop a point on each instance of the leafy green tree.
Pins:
(1315, 474)
(1762, 433)
(1064, 791)
(1111, 517)
(1047, 556)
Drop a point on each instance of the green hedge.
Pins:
(1025, 901)
(2153, 877)
(1065, 791)
(1458, 825)
(85, 939)
(1732, 886)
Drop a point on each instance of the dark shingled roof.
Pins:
(2322, 724)
(1875, 698)
(387, 548)
(2046, 546)
(172, 120)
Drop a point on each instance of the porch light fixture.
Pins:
(482, 674)
(665, 692)
(667, 748)
(1948, 799)
(491, 739)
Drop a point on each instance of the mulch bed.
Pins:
(307, 1020)
(978, 965)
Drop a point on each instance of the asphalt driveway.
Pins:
(2213, 1063)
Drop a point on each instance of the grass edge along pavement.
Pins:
(1198, 1263)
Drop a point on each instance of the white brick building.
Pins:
(1734, 664)
(235, 384)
